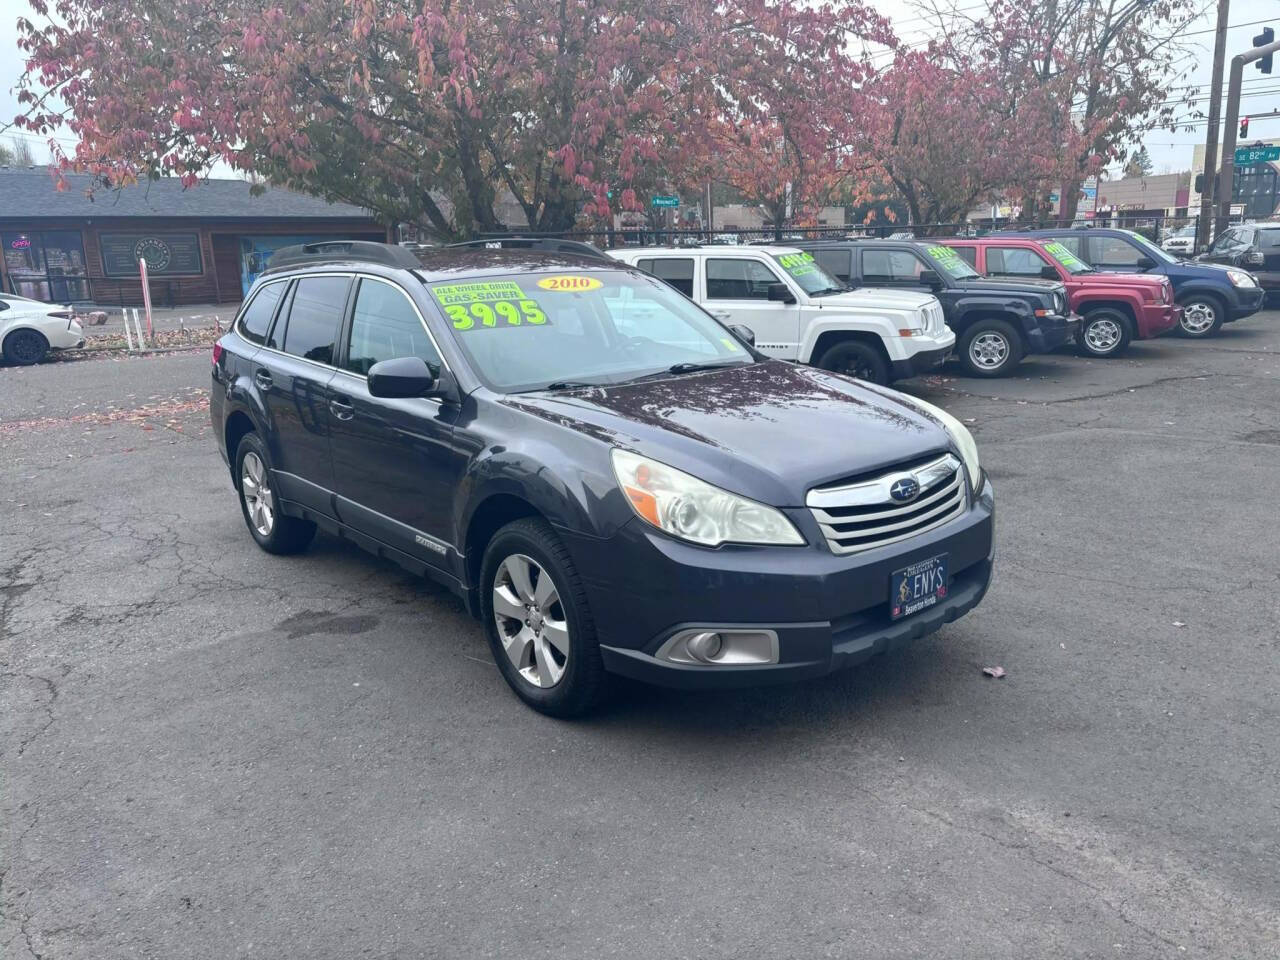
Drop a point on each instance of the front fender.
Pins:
(883, 326)
(969, 308)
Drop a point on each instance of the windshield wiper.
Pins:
(686, 367)
(569, 385)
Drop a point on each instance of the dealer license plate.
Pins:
(918, 587)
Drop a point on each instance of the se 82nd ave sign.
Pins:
(1247, 155)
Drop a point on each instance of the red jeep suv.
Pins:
(1117, 307)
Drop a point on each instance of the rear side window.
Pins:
(1115, 252)
(739, 280)
(890, 265)
(385, 326)
(1014, 262)
(968, 254)
(1269, 238)
(835, 262)
(677, 271)
(256, 318)
(1072, 241)
(315, 313)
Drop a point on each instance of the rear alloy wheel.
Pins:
(856, 359)
(24, 348)
(990, 348)
(273, 530)
(1201, 317)
(540, 629)
(1105, 333)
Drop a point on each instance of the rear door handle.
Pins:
(262, 379)
(342, 409)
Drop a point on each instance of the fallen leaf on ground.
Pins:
(996, 672)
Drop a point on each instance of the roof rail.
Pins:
(331, 251)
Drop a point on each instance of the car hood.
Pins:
(876, 298)
(1104, 279)
(768, 431)
(1008, 285)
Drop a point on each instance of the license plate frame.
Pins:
(917, 587)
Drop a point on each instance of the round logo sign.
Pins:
(155, 251)
(573, 284)
(905, 489)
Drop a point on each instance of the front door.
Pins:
(895, 269)
(394, 463)
(293, 375)
(737, 291)
(1114, 254)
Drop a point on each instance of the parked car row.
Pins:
(613, 478)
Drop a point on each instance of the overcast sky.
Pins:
(1169, 151)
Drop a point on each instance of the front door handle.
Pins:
(341, 409)
(262, 379)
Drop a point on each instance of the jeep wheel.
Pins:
(989, 348)
(1104, 333)
(856, 359)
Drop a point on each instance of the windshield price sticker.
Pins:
(1065, 256)
(570, 284)
(477, 306)
(943, 253)
(797, 264)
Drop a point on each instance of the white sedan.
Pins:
(29, 329)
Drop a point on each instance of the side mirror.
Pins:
(1146, 263)
(930, 278)
(779, 293)
(745, 334)
(401, 377)
(1049, 273)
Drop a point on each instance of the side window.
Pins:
(739, 280)
(315, 313)
(385, 326)
(637, 312)
(889, 266)
(1269, 238)
(968, 254)
(256, 318)
(1114, 252)
(1014, 262)
(835, 262)
(1072, 241)
(677, 271)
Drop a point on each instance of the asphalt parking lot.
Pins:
(211, 752)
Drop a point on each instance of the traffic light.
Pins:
(1261, 40)
(1244, 127)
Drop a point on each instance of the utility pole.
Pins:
(1211, 137)
(1233, 117)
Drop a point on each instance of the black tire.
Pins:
(997, 346)
(285, 534)
(25, 348)
(1104, 333)
(1202, 315)
(582, 685)
(856, 359)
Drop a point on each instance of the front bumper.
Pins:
(1249, 300)
(921, 363)
(1051, 332)
(1156, 319)
(827, 611)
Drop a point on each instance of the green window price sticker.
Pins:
(1065, 256)
(492, 304)
(797, 264)
(943, 253)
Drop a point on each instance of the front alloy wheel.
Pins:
(1200, 317)
(531, 621)
(1105, 333)
(989, 351)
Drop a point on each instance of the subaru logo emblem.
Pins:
(905, 489)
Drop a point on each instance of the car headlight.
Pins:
(1240, 278)
(694, 510)
(960, 436)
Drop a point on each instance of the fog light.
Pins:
(704, 646)
(721, 647)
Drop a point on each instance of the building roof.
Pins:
(30, 194)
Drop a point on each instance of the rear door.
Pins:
(293, 372)
(1268, 244)
(737, 291)
(394, 464)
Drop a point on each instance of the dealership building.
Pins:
(204, 244)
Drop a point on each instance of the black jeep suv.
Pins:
(613, 480)
(997, 322)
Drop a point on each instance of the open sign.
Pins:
(22, 243)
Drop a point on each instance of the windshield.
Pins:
(1069, 261)
(805, 271)
(591, 327)
(1149, 248)
(946, 260)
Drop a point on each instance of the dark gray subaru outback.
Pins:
(613, 480)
